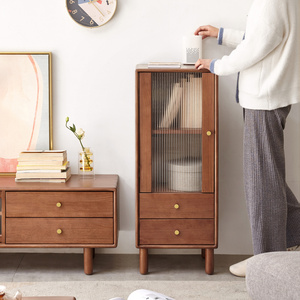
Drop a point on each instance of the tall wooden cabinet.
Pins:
(176, 161)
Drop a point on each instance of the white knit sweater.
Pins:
(269, 56)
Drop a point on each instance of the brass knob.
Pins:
(59, 231)
(176, 206)
(176, 232)
(58, 204)
(208, 133)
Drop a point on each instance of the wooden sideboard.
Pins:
(81, 213)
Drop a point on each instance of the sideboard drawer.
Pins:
(59, 204)
(177, 232)
(176, 206)
(73, 231)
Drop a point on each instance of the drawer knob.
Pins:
(58, 204)
(208, 133)
(177, 232)
(176, 206)
(59, 231)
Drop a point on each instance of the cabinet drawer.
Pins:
(59, 204)
(73, 231)
(177, 206)
(177, 232)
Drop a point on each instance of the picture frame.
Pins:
(25, 106)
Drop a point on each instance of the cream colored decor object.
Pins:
(185, 175)
(6, 296)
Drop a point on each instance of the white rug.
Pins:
(104, 290)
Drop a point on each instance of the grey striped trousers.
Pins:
(274, 211)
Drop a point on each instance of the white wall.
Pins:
(94, 84)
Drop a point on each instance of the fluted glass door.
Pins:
(176, 132)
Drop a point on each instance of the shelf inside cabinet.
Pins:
(162, 188)
(177, 131)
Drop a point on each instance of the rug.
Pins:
(105, 290)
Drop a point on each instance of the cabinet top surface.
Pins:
(98, 183)
(183, 68)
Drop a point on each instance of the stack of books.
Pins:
(43, 166)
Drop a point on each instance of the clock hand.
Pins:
(92, 2)
(98, 10)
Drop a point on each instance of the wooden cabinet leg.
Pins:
(209, 261)
(143, 261)
(88, 260)
(203, 253)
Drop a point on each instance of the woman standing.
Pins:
(267, 60)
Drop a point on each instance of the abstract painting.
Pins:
(25, 106)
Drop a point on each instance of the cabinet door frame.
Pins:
(144, 132)
(208, 133)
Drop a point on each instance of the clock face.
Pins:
(91, 13)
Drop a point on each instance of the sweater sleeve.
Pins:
(230, 37)
(263, 34)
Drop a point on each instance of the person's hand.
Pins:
(207, 31)
(203, 64)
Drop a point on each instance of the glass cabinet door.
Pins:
(176, 132)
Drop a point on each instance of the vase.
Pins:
(86, 163)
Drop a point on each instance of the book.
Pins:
(59, 155)
(191, 110)
(174, 65)
(41, 163)
(44, 152)
(35, 166)
(63, 174)
(173, 106)
(54, 180)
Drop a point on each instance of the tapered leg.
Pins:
(209, 261)
(143, 261)
(203, 253)
(88, 260)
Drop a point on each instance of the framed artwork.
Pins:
(25, 106)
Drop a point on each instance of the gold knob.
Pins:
(176, 206)
(59, 231)
(176, 232)
(208, 133)
(58, 204)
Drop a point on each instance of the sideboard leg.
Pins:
(209, 261)
(88, 260)
(143, 261)
(203, 253)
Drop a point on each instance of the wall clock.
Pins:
(91, 13)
